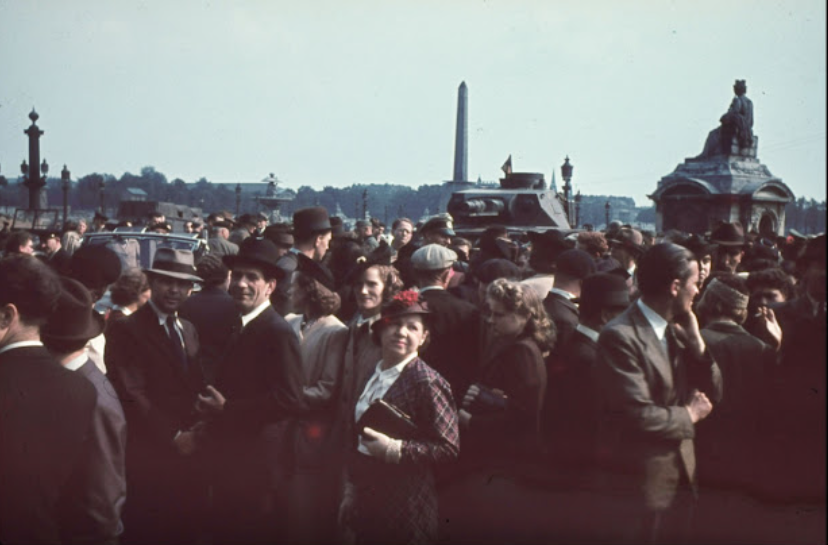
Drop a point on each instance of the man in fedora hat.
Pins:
(56, 256)
(96, 516)
(258, 386)
(281, 235)
(245, 227)
(626, 247)
(219, 244)
(46, 411)
(729, 239)
(152, 360)
(312, 232)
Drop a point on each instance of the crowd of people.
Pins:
(303, 383)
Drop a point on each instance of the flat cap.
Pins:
(433, 257)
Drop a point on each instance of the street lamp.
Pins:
(566, 173)
(578, 209)
(64, 184)
(607, 209)
(101, 194)
(238, 200)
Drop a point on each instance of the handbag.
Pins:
(388, 419)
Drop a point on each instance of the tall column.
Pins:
(34, 182)
(461, 136)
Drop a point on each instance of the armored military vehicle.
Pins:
(522, 203)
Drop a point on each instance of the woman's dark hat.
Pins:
(74, 319)
(95, 266)
(307, 221)
(404, 303)
(174, 263)
(315, 270)
(259, 253)
(728, 234)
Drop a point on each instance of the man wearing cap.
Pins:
(655, 374)
(364, 231)
(56, 256)
(626, 247)
(546, 247)
(99, 223)
(573, 267)
(245, 227)
(219, 244)
(101, 480)
(46, 411)
(438, 230)
(730, 247)
(258, 386)
(152, 360)
(572, 401)
(453, 351)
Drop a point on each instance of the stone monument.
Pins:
(725, 182)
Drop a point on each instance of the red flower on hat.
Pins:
(407, 297)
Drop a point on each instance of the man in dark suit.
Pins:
(455, 324)
(572, 267)
(56, 256)
(151, 358)
(46, 411)
(258, 386)
(573, 401)
(101, 480)
(656, 374)
(213, 313)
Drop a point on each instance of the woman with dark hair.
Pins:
(129, 293)
(390, 495)
(311, 499)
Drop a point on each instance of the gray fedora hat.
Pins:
(174, 263)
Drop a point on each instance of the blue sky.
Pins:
(334, 93)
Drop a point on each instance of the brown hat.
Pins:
(728, 234)
(259, 253)
(174, 263)
(73, 319)
(630, 239)
(307, 221)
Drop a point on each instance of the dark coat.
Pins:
(454, 327)
(649, 434)
(731, 440)
(59, 261)
(214, 315)
(46, 415)
(565, 314)
(397, 503)
(97, 516)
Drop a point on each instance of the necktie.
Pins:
(176, 341)
(672, 349)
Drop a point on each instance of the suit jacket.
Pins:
(454, 327)
(214, 314)
(648, 433)
(565, 314)
(46, 415)
(158, 395)
(221, 247)
(101, 481)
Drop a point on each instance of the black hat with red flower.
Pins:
(403, 303)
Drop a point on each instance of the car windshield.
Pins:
(138, 249)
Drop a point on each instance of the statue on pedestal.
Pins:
(736, 123)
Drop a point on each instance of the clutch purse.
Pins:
(488, 401)
(388, 419)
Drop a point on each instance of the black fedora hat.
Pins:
(259, 253)
(174, 263)
(95, 266)
(73, 319)
(311, 220)
(315, 270)
(549, 243)
(728, 234)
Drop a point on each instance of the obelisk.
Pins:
(461, 137)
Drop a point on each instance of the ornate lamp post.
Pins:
(238, 200)
(607, 210)
(31, 177)
(566, 173)
(578, 209)
(64, 184)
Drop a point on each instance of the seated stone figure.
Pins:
(736, 123)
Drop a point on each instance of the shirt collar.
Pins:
(396, 370)
(563, 293)
(76, 363)
(588, 332)
(360, 319)
(20, 344)
(658, 323)
(253, 314)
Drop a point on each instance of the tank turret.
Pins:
(521, 203)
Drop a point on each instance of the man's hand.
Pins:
(381, 446)
(699, 406)
(686, 327)
(185, 443)
(771, 332)
(211, 403)
(471, 395)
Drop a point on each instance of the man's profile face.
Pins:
(321, 247)
(687, 291)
